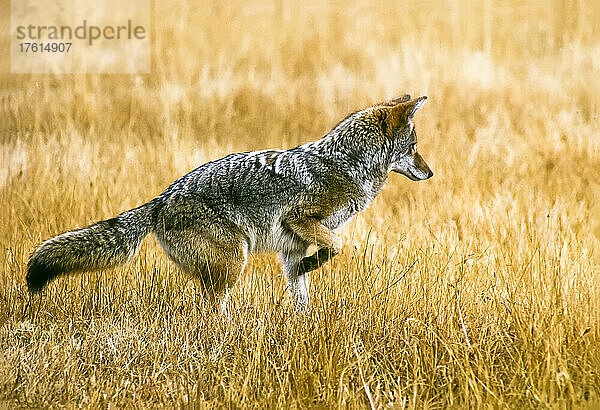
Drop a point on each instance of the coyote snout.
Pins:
(413, 166)
(265, 201)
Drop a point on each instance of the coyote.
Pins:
(264, 201)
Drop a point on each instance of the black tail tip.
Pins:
(38, 275)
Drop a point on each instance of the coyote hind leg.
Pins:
(217, 263)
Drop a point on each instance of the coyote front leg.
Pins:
(298, 284)
(295, 262)
(313, 231)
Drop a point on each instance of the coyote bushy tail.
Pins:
(102, 245)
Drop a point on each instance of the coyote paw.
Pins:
(315, 260)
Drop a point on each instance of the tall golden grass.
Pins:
(479, 287)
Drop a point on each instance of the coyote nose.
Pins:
(430, 174)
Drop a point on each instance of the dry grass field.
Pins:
(477, 288)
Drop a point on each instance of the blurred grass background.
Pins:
(476, 288)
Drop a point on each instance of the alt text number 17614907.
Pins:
(44, 47)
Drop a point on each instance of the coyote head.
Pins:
(395, 122)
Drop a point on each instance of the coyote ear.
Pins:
(413, 105)
(403, 99)
(397, 116)
(397, 100)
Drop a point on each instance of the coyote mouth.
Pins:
(411, 176)
(407, 173)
